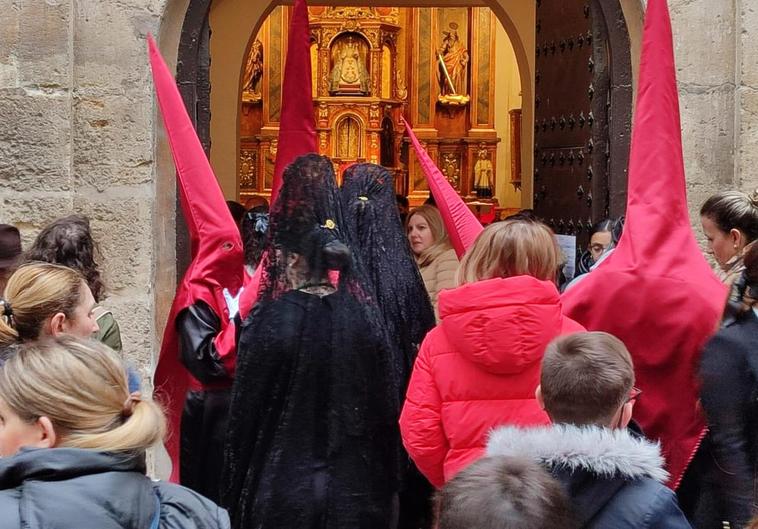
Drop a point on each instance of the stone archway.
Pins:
(186, 32)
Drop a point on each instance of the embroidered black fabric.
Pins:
(312, 438)
(377, 237)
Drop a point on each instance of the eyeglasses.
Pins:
(634, 394)
(598, 247)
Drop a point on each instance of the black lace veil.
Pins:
(376, 235)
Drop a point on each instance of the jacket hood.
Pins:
(502, 324)
(607, 453)
(56, 464)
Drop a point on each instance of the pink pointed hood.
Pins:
(460, 222)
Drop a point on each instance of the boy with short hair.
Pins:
(503, 493)
(615, 479)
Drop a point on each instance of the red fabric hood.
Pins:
(502, 324)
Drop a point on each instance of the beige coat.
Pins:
(439, 274)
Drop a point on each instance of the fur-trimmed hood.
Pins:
(601, 451)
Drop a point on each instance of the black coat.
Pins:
(68, 488)
(728, 370)
(205, 413)
(313, 437)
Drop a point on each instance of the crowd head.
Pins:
(426, 233)
(68, 241)
(503, 493)
(72, 393)
(43, 299)
(588, 378)
(730, 223)
(513, 247)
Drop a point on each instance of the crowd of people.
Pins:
(378, 382)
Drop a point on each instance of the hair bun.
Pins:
(336, 255)
(754, 198)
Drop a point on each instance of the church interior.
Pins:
(451, 72)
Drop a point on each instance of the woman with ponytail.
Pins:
(73, 441)
(312, 439)
(43, 299)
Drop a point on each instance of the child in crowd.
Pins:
(73, 441)
(504, 493)
(613, 477)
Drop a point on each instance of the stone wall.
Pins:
(80, 132)
(77, 135)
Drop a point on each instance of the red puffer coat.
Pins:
(478, 369)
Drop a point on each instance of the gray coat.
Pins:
(68, 488)
(614, 479)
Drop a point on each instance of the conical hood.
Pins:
(460, 222)
(297, 128)
(656, 292)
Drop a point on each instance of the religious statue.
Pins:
(452, 58)
(349, 74)
(253, 72)
(483, 175)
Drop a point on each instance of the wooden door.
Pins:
(582, 114)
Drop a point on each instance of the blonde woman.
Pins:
(481, 364)
(43, 299)
(73, 441)
(434, 254)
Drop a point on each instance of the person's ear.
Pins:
(626, 414)
(48, 437)
(737, 238)
(57, 324)
(538, 396)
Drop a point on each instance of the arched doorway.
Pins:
(619, 24)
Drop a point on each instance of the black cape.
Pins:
(312, 436)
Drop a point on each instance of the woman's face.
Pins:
(599, 242)
(82, 322)
(15, 432)
(721, 245)
(419, 234)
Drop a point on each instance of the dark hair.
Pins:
(237, 210)
(255, 234)
(68, 241)
(402, 200)
(733, 210)
(585, 378)
(503, 492)
(524, 214)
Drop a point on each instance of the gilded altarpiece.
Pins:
(370, 66)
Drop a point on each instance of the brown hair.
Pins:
(81, 386)
(733, 210)
(586, 378)
(35, 292)
(504, 493)
(510, 248)
(441, 242)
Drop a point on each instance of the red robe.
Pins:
(656, 292)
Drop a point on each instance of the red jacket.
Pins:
(478, 369)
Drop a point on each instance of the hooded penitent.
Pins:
(656, 292)
(217, 260)
(312, 439)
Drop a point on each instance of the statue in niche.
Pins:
(253, 72)
(452, 58)
(483, 175)
(349, 75)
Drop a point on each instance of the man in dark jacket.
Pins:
(69, 487)
(613, 477)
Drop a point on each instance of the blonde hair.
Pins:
(35, 292)
(511, 248)
(441, 242)
(81, 386)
